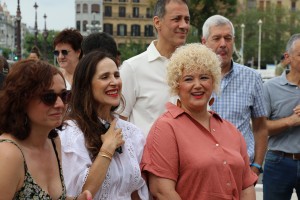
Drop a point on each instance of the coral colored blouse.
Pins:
(204, 165)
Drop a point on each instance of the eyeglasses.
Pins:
(49, 98)
(64, 52)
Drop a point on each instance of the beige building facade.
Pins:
(128, 20)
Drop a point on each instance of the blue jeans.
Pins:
(281, 175)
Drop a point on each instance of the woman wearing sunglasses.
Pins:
(32, 105)
(89, 159)
(67, 50)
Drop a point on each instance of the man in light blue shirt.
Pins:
(240, 100)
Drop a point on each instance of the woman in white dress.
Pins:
(92, 157)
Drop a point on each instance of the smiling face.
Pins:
(194, 90)
(107, 84)
(42, 115)
(173, 27)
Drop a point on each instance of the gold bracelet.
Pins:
(106, 152)
(105, 155)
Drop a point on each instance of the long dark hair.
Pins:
(83, 107)
(26, 79)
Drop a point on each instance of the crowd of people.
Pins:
(178, 121)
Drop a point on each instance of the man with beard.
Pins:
(241, 99)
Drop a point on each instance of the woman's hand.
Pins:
(85, 195)
(113, 138)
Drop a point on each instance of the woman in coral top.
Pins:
(191, 152)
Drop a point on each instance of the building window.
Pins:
(78, 8)
(108, 28)
(148, 13)
(149, 31)
(107, 0)
(107, 11)
(84, 26)
(268, 5)
(122, 30)
(135, 12)
(122, 0)
(135, 30)
(251, 4)
(122, 11)
(135, 1)
(95, 8)
(293, 6)
(78, 27)
(261, 5)
(85, 8)
(279, 4)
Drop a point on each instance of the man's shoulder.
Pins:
(246, 72)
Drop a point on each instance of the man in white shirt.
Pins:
(144, 76)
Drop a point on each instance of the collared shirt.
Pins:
(204, 165)
(281, 98)
(144, 87)
(240, 99)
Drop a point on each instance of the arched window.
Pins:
(84, 25)
(78, 6)
(95, 8)
(85, 8)
(78, 25)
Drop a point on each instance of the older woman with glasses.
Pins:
(67, 50)
(32, 105)
(190, 152)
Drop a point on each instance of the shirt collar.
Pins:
(283, 80)
(176, 111)
(153, 53)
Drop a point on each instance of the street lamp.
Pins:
(35, 25)
(94, 26)
(259, 42)
(242, 43)
(18, 30)
(45, 35)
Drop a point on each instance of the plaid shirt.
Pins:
(240, 99)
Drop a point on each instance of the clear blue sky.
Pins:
(60, 13)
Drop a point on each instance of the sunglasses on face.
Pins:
(63, 52)
(49, 98)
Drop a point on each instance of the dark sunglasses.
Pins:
(63, 52)
(49, 98)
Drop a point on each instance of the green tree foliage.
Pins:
(200, 10)
(278, 25)
(46, 48)
(131, 49)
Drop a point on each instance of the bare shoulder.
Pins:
(11, 169)
(10, 153)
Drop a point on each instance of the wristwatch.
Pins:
(259, 167)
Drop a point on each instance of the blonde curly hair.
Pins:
(193, 57)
